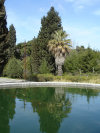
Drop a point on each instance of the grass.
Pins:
(84, 78)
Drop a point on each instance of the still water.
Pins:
(50, 110)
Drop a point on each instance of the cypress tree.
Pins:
(49, 24)
(3, 36)
(12, 40)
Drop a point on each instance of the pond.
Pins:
(49, 110)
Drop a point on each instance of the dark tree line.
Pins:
(7, 38)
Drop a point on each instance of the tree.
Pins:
(59, 46)
(13, 68)
(12, 40)
(44, 67)
(88, 60)
(49, 24)
(27, 67)
(3, 36)
(21, 48)
(35, 56)
(82, 60)
(72, 64)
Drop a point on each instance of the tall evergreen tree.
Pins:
(12, 40)
(49, 24)
(3, 36)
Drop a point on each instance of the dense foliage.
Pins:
(49, 25)
(83, 60)
(27, 67)
(44, 67)
(11, 40)
(35, 56)
(3, 36)
(13, 69)
(23, 49)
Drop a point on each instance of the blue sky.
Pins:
(80, 19)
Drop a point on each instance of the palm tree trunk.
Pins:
(60, 70)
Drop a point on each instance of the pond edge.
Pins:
(49, 84)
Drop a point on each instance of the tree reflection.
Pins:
(84, 92)
(50, 104)
(7, 109)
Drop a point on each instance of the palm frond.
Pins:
(59, 45)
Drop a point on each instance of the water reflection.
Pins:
(51, 104)
(89, 93)
(7, 109)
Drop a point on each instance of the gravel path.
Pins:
(8, 80)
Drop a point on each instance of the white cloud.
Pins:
(97, 12)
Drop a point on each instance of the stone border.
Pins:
(48, 84)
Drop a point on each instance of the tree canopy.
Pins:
(49, 24)
(3, 35)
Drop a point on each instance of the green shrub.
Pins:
(32, 77)
(41, 77)
(45, 77)
(13, 69)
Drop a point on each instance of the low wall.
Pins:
(48, 84)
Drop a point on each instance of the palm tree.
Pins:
(60, 47)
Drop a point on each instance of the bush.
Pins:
(45, 77)
(13, 69)
(32, 77)
(41, 77)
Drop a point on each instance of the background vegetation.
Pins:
(32, 60)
